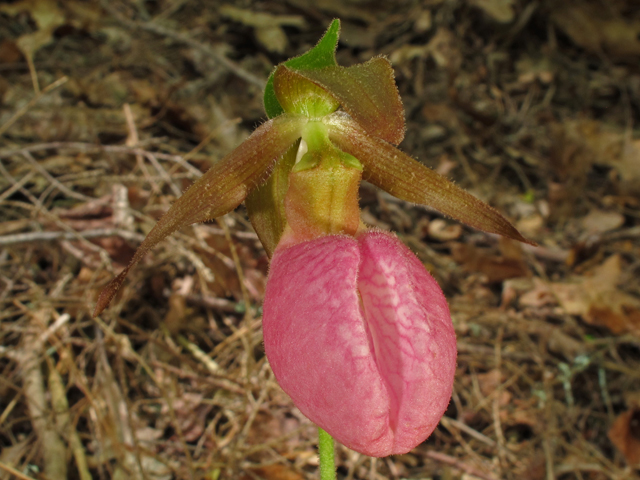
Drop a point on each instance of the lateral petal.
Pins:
(221, 189)
(403, 177)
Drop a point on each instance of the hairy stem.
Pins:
(326, 454)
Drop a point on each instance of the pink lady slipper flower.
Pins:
(355, 329)
(360, 337)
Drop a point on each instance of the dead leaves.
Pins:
(597, 28)
(597, 296)
(598, 299)
(443, 49)
(601, 221)
(267, 27)
(580, 145)
(495, 267)
(46, 15)
(499, 10)
(608, 146)
(273, 472)
(625, 435)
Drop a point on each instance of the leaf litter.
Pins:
(109, 110)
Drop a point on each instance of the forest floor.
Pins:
(109, 110)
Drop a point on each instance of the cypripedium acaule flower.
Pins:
(356, 330)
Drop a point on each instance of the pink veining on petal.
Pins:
(359, 335)
(413, 339)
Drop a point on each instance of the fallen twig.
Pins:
(460, 465)
(50, 236)
(20, 112)
(28, 358)
(178, 37)
(14, 472)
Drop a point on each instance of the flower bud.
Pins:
(360, 336)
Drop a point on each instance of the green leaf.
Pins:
(403, 177)
(225, 185)
(320, 56)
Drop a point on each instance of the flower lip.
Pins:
(377, 378)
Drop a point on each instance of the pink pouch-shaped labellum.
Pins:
(359, 335)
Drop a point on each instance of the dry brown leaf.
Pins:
(9, 52)
(496, 268)
(489, 381)
(625, 435)
(598, 300)
(617, 311)
(531, 225)
(267, 27)
(600, 221)
(595, 28)
(443, 231)
(119, 250)
(444, 50)
(572, 297)
(273, 472)
(539, 296)
(582, 143)
(174, 320)
(510, 249)
(500, 10)
(530, 69)
(46, 15)
(605, 277)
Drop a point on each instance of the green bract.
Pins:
(320, 56)
(343, 123)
